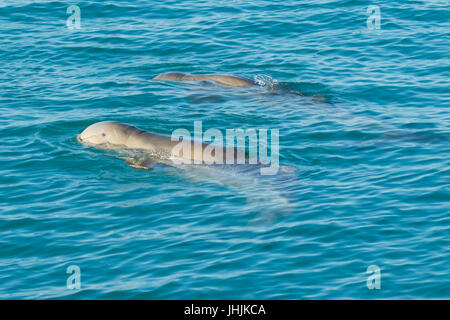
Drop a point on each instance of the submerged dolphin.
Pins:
(224, 80)
(159, 148)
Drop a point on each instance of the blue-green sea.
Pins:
(360, 97)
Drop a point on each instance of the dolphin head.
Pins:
(171, 76)
(106, 132)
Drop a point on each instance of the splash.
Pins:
(264, 80)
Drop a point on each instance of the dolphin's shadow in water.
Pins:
(271, 196)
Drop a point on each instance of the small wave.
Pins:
(264, 80)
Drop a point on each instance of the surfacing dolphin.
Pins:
(158, 148)
(234, 81)
(225, 80)
(263, 196)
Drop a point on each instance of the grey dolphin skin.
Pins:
(225, 80)
(154, 148)
(116, 135)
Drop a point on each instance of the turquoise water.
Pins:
(371, 185)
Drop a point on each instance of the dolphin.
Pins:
(233, 81)
(263, 196)
(225, 80)
(158, 148)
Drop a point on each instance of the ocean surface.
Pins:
(363, 117)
